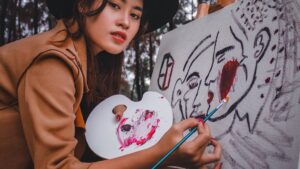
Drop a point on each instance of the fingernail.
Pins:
(118, 117)
(201, 121)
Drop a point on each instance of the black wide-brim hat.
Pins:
(159, 12)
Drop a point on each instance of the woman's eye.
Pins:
(135, 16)
(114, 5)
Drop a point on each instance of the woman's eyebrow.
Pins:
(135, 7)
(138, 8)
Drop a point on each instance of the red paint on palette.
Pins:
(137, 129)
(148, 114)
(227, 77)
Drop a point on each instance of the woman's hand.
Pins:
(192, 152)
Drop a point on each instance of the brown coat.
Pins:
(42, 80)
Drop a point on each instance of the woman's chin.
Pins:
(115, 50)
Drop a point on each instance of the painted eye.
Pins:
(126, 127)
(193, 83)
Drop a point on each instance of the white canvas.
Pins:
(249, 51)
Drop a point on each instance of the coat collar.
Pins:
(77, 47)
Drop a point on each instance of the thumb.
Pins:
(119, 110)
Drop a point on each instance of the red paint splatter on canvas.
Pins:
(227, 77)
(210, 97)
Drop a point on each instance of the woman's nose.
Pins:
(124, 21)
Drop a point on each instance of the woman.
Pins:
(45, 78)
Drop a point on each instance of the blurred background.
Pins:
(22, 18)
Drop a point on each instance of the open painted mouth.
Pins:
(227, 77)
(210, 95)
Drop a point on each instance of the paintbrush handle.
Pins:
(175, 147)
(210, 114)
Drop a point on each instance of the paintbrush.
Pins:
(194, 129)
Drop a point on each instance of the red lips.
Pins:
(119, 36)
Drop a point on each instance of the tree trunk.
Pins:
(142, 67)
(15, 15)
(137, 70)
(12, 22)
(36, 17)
(4, 4)
(132, 92)
(19, 20)
(151, 49)
(193, 9)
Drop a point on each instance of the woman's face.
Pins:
(113, 28)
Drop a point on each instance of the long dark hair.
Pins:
(104, 70)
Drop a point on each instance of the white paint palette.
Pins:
(142, 125)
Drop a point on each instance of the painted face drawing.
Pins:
(138, 129)
(254, 59)
(234, 66)
(247, 64)
(186, 90)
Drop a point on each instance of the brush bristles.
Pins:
(226, 99)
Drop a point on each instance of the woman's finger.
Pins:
(203, 128)
(203, 167)
(202, 140)
(186, 124)
(218, 165)
(214, 156)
